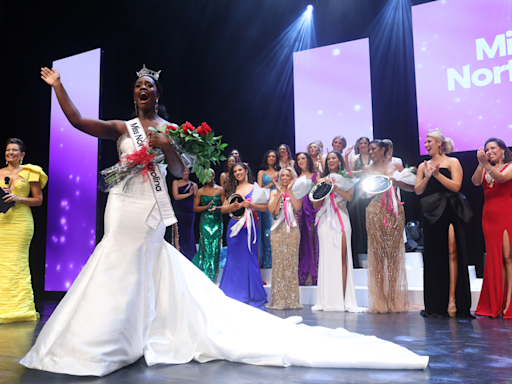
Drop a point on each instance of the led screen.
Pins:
(71, 226)
(463, 59)
(332, 89)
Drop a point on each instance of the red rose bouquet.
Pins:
(197, 147)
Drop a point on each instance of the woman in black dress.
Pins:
(446, 288)
(357, 207)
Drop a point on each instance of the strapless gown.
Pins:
(138, 296)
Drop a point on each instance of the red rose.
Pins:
(187, 127)
(170, 127)
(203, 129)
(349, 173)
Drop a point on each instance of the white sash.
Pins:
(156, 179)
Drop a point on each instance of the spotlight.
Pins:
(309, 8)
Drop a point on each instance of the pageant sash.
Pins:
(156, 179)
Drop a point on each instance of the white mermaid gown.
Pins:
(138, 296)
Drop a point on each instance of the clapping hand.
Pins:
(245, 204)
(427, 170)
(349, 149)
(50, 76)
(482, 157)
(435, 168)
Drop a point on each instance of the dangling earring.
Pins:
(21, 161)
(246, 178)
(503, 155)
(156, 109)
(136, 110)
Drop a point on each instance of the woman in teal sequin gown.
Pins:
(269, 170)
(208, 202)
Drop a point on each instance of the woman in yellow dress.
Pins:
(16, 231)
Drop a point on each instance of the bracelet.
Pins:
(492, 167)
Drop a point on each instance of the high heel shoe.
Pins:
(452, 309)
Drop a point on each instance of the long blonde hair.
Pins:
(447, 143)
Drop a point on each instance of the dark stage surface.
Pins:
(461, 351)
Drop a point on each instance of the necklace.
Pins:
(489, 178)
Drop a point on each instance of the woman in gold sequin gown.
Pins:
(16, 231)
(285, 241)
(387, 278)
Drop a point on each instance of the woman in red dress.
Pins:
(494, 174)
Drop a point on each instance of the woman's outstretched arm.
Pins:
(94, 127)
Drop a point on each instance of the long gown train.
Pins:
(138, 296)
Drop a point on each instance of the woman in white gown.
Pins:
(336, 289)
(138, 296)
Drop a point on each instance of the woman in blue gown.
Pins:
(241, 279)
(183, 191)
(269, 171)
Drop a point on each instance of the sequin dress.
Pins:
(285, 281)
(308, 250)
(387, 278)
(264, 248)
(210, 238)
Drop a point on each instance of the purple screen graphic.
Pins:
(332, 89)
(463, 59)
(71, 226)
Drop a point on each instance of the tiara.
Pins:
(435, 130)
(148, 72)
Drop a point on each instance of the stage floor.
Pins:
(460, 350)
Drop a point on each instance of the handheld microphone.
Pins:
(7, 180)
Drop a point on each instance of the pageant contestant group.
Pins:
(139, 296)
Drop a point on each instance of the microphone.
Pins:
(7, 180)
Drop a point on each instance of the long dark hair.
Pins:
(311, 165)
(502, 145)
(18, 142)
(162, 111)
(289, 152)
(356, 147)
(232, 182)
(326, 171)
(264, 163)
(381, 144)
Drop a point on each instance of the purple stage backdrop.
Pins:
(71, 227)
(463, 58)
(332, 94)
